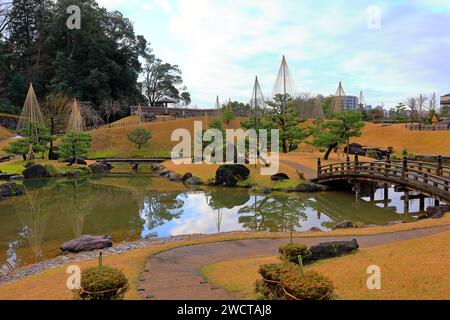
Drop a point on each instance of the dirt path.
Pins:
(174, 274)
(309, 173)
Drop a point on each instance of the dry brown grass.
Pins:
(397, 136)
(412, 269)
(114, 142)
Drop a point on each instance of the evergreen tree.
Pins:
(227, 115)
(282, 116)
(139, 136)
(33, 134)
(75, 145)
(330, 134)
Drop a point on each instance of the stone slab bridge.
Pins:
(430, 179)
(133, 162)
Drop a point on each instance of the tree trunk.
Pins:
(330, 148)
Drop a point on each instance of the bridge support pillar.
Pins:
(134, 167)
(422, 203)
(406, 202)
(357, 189)
(386, 195)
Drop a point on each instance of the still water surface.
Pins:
(33, 226)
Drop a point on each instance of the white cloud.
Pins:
(147, 6)
(164, 4)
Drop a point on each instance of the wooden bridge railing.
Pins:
(427, 177)
(428, 127)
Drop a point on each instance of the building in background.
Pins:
(445, 104)
(347, 102)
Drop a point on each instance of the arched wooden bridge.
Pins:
(431, 179)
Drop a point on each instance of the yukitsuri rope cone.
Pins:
(75, 123)
(31, 114)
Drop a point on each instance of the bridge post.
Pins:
(422, 203)
(356, 162)
(319, 167)
(439, 165)
(405, 167)
(348, 164)
(386, 195)
(388, 167)
(406, 202)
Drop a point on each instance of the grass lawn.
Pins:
(412, 269)
(50, 284)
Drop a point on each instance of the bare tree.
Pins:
(412, 104)
(91, 116)
(110, 108)
(5, 7)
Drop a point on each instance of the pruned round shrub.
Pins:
(310, 286)
(268, 288)
(51, 170)
(107, 284)
(28, 163)
(290, 252)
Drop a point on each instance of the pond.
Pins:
(52, 211)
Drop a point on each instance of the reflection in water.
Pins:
(33, 220)
(77, 205)
(278, 213)
(33, 226)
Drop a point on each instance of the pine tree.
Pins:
(331, 133)
(139, 136)
(282, 116)
(75, 145)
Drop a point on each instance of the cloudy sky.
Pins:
(389, 49)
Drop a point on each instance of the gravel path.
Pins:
(174, 274)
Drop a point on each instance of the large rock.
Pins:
(100, 167)
(186, 176)
(10, 190)
(194, 181)
(355, 148)
(35, 171)
(6, 176)
(279, 176)
(230, 174)
(175, 177)
(87, 243)
(333, 249)
(308, 186)
(157, 166)
(344, 225)
(436, 212)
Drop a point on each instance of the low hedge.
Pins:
(107, 284)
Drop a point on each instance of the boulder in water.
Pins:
(100, 167)
(230, 174)
(35, 171)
